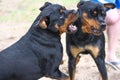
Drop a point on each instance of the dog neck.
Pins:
(39, 33)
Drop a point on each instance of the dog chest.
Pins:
(94, 49)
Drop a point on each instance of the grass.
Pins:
(27, 10)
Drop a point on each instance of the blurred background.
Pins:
(16, 17)
(26, 10)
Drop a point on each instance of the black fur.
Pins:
(38, 53)
(89, 39)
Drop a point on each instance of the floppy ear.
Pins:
(45, 5)
(44, 22)
(80, 3)
(109, 6)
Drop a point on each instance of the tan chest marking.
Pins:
(93, 49)
(77, 50)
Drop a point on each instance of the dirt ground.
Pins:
(86, 69)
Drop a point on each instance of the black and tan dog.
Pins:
(39, 52)
(89, 38)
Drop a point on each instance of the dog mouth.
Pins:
(72, 28)
(96, 31)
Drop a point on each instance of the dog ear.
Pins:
(109, 6)
(81, 3)
(44, 22)
(45, 5)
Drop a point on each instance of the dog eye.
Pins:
(103, 13)
(94, 13)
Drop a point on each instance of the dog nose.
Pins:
(74, 11)
(103, 25)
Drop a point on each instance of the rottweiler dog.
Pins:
(89, 38)
(39, 52)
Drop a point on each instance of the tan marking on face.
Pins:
(69, 20)
(76, 50)
(94, 50)
(87, 23)
(61, 29)
(86, 29)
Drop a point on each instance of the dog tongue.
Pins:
(72, 28)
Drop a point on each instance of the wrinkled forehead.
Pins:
(91, 6)
(52, 12)
(51, 9)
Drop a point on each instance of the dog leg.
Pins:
(77, 59)
(100, 62)
(52, 68)
(72, 66)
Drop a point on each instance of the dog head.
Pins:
(56, 18)
(92, 16)
(49, 14)
(65, 22)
